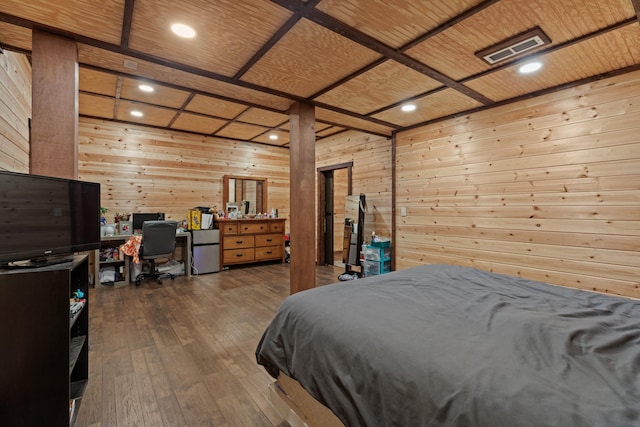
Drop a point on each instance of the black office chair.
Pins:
(158, 241)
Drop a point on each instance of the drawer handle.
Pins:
(269, 252)
(239, 255)
(261, 228)
(246, 228)
(269, 240)
(239, 242)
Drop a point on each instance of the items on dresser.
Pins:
(251, 240)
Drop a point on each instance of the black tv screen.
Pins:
(44, 216)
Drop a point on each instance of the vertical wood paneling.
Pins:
(547, 188)
(15, 111)
(371, 156)
(151, 170)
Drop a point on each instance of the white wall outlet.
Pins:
(403, 211)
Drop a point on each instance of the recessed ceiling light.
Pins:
(137, 113)
(183, 31)
(530, 67)
(146, 88)
(273, 137)
(408, 107)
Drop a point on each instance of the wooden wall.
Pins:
(146, 169)
(547, 188)
(371, 156)
(15, 111)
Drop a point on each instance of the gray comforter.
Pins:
(450, 346)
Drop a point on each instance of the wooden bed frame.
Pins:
(297, 407)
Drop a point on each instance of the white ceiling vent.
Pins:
(515, 46)
(130, 64)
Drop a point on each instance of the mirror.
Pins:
(244, 194)
(355, 208)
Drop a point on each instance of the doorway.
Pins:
(334, 184)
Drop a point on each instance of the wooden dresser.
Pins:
(251, 240)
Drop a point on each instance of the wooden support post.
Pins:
(302, 197)
(54, 123)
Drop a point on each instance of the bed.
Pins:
(442, 345)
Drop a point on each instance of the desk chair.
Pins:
(158, 241)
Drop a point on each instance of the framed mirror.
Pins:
(244, 194)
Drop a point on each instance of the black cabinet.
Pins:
(44, 350)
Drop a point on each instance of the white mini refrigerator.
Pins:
(205, 251)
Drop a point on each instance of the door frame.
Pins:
(323, 238)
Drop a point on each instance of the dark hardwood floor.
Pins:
(182, 353)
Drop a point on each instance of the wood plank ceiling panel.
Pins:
(197, 123)
(100, 20)
(258, 116)
(561, 21)
(154, 116)
(14, 36)
(115, 61)
(392, 81)
(97, 82)
(394, 23)
(330, 116)
(438, 104)
(161, 95)
(307, 59)
(329, 131)
(95, 106)
(229, 32)
(356, 57)
(283, 138)
(215, 107)
(610, 51)
(241, 131)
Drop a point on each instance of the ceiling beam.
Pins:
(14, 20)
(450, 23)
(369, 42)
(284, 29)
(553, 48)
(127, 18)
(526, 96)
(636, 6)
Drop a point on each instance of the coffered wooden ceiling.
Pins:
(357, 61)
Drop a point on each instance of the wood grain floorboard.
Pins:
(182, 353)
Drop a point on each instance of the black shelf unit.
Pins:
(121, 265)
(44, 352)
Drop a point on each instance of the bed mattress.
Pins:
(443, 345)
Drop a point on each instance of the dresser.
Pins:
(251, 240)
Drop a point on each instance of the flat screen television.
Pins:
(45, 219)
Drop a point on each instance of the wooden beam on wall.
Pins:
(302, 196)
(54, 129)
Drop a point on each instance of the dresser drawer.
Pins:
(269, 240)
(231, 256)
(238, 242)
(254, 228)
(269, 252)
(276, 227)
(229, 228)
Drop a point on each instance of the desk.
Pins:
(183, 241)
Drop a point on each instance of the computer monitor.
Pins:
(140, 218)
